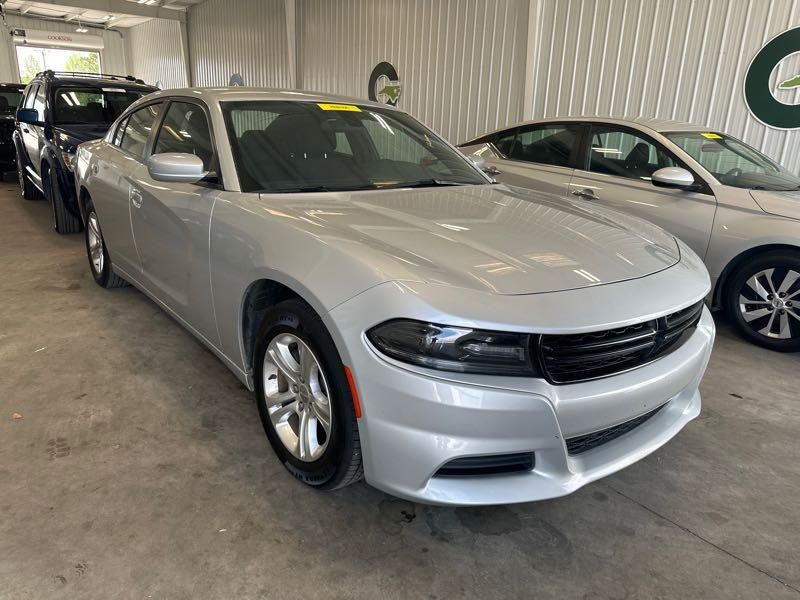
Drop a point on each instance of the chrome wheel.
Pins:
(297, 397)
(95, 239)
(769, 303)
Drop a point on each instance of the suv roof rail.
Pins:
(51, 73)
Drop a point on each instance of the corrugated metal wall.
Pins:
(675, 59)
(249, 39)
(112, 57)
(461, 62)
(155, 53)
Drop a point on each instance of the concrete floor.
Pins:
(139, 469)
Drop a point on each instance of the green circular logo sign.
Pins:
(758, 94)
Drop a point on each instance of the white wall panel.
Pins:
(112, 57)
(155, 53)
(239, 36)
(675, 59)
(461, 62)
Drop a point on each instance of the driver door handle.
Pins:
(135, 197)
(586, 193)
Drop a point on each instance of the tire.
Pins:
(26, 188)
(763, 300)
(336, 460)
(63, 220)
(99, 261)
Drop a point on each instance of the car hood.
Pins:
(492, 237)
(69, 136)
(782, 204)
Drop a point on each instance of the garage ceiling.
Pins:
(109, 13)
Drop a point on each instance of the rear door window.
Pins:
(548, 144)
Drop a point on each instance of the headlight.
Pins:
(455, 348)
(69, 159)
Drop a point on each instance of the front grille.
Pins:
(497, 464)
(590, 441)
(581, 357)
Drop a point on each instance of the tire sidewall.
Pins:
(739, 279)
(295, 317)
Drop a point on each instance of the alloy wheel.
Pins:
(769, 302)
(95, 239)
(297, 397)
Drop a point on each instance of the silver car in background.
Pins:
(736, 208)
(397, 315)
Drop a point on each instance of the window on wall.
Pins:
(34, 59)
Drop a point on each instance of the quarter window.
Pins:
(624, 154)
(185, 129)
(549, 144)
(30, 96)
(137, 130)
(38, 102)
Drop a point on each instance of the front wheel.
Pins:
(763, 299)
(304, 399)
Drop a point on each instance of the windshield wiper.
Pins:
(421, 183)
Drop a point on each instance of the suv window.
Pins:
(548, 144)
(137, 130)
(38, 102)
(30, 96)
(92, 105)
(185, 129)
(622, 153)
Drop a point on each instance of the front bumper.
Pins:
(415, 421)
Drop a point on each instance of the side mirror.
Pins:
(480, 163)
(176, 167)
(674, 177)
(29, 116)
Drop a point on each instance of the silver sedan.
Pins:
(397, 315)
(736, 208)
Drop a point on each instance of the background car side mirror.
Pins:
(176, 167)
(480, 163)
(674, 177)
(29, 116)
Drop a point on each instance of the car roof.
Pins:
(245, 94)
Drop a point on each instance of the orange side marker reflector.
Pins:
(353, 391)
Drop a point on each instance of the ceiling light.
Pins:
(81, 28)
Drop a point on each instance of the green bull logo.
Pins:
(758, 93)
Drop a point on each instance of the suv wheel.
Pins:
(99, 260)
(304, 398)
(763, 299)
(63, 220)
(26, 188)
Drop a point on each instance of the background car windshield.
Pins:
(734, 163)
(9, 100)
(92, 105)
(303, 146)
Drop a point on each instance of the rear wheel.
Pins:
(26, 188)
(304, 398)
(63, 220)
(99, 260)
(763, 299)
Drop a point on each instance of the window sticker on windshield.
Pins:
(345, 107)
(114, 90)
(712, 136)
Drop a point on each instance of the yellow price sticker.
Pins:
(712, 136)
(344, 107)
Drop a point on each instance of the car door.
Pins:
(171, 220)
(115, 170)
(539, 156)
(615, 171)
(31, 134)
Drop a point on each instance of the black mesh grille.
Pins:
(581, 357)
(472, 466)
(584, 443)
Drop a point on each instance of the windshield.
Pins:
(9, 100)
(734, 163)
(283, 146)
(92, 105)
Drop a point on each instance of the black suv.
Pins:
(10, 96)
(58, 112)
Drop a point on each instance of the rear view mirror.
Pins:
(176, 167)
(674, 177)
(29, 116)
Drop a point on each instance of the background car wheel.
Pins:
(304, 399)
(26, 188)
(99, 260)
(63, 220)
(763, 299)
